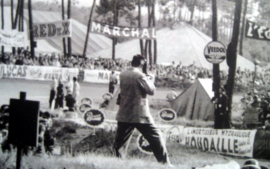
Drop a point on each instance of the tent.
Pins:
(183, 44)
(96, 42)
(194, 103)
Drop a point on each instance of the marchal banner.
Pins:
(256, 31)
(12, 38)
(117, 31)
(49, 30)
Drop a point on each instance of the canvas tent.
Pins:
(95, 42)
(183, 44)
(194, 103)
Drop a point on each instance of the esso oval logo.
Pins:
(215, 52)
(144, 145)
(94, 117)
(167, 115)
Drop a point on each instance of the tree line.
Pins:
(171, 12)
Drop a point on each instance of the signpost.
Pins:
(84, 107)
(167, 115)
(94, 117)
(215, 52)
(143, 145)
(23, 124)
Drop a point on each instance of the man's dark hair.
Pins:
(74, 79)
(136, 61)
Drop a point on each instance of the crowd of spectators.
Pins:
(256, 108)
(175, 72)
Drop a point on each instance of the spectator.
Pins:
(113, 82)
(52, 92)
(171, 95)
(70, 100)
(59, 101)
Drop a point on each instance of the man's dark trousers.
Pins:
(150, 133)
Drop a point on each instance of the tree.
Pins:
(243, 27)
(191, 4)
(232, 55)
(123, 9)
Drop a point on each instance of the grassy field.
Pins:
(182, 157)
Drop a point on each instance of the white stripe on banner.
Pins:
(37, 72)
(98, 76)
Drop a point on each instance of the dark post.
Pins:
(19, 146)
(139, 25)
(12, 22)
(23, 124)
(154, 25)
(3, 23)
(64, 39)
(232, 54)
(114, 39)
(69, 38)
(216, 78)
(88, 28)
(32, 45)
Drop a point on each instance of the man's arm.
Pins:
(147, 85)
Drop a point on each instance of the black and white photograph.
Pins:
(134, 84)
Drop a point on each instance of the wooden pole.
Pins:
(3, 23)
(154, 25)
(69, 38)
(21, 16)
(20, 146)
(17, 14)
(139, 25)
(88, 28)
(12, 23)
(216, 78)
(64, 39)
(232, 54)
(32, 45)
(114, 39)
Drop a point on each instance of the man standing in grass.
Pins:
(134, 110)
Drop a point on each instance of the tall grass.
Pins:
(181, 157)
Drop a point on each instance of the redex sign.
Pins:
(117, 31)
(256, 31)
(52, 30)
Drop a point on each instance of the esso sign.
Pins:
(144, 145)
(167, 115)
(215, 52)
(94, 117)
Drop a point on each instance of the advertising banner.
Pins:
(49, 30)
(98, 76)
(230, 142)
(12, 38)
(117, 31)
(256, 31)
(37, 72)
